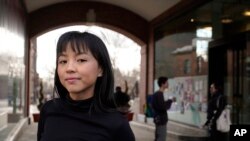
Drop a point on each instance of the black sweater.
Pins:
(214, 109)
(72, 121)
(160, 107)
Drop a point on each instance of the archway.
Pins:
(105, 15)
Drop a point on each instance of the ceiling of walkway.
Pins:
(148, 9)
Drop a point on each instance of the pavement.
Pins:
(142, 132)
(29, 134)
(26, 130)
(6, 130)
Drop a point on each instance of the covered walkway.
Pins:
(23, 131)
(143, 132)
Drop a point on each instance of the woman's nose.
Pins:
(70, 66)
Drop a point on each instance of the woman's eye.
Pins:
(62, 62)
(81, 60)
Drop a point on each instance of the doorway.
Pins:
(229, 64)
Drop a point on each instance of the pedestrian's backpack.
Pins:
(223, 122)
(160, 117)
(149, 112)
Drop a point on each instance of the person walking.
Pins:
(85, 108)
(160, 107)
(216, 104)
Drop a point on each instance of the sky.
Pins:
(125, 51)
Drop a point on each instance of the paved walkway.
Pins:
(141, 133)
(5, 131)
(29, 134)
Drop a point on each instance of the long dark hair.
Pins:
(218, 87)
(83, 42)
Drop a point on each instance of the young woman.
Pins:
(216, 104)
(85, 109)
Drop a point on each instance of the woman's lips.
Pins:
(72, 80)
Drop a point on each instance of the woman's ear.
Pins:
(100, 73)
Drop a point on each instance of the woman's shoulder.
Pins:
(119, 128)
(122, 128)
(51, 104)
(53, 101)
(115, 117)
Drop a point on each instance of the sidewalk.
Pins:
(5, 131)
(22, 131)
(175, 132)
(29, 134)
(142, 131)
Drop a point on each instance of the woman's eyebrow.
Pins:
(63, 54)
(81, 53)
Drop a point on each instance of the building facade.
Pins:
(203, 43)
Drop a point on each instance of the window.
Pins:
(187, 66)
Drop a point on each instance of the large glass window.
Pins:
(181, 53)
(178, 61)
(11, 72)
(12, 68)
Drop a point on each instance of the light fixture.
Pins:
(226, 20)
(246, 12)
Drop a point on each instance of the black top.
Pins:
(215, 106)
(122, 98)
(68, 120)
(160, 106)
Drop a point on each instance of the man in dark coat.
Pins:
(160, 108)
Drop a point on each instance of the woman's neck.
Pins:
(78, 96)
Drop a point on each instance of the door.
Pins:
(229, 64)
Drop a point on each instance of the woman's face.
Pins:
(78, 73)
(213, 90)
